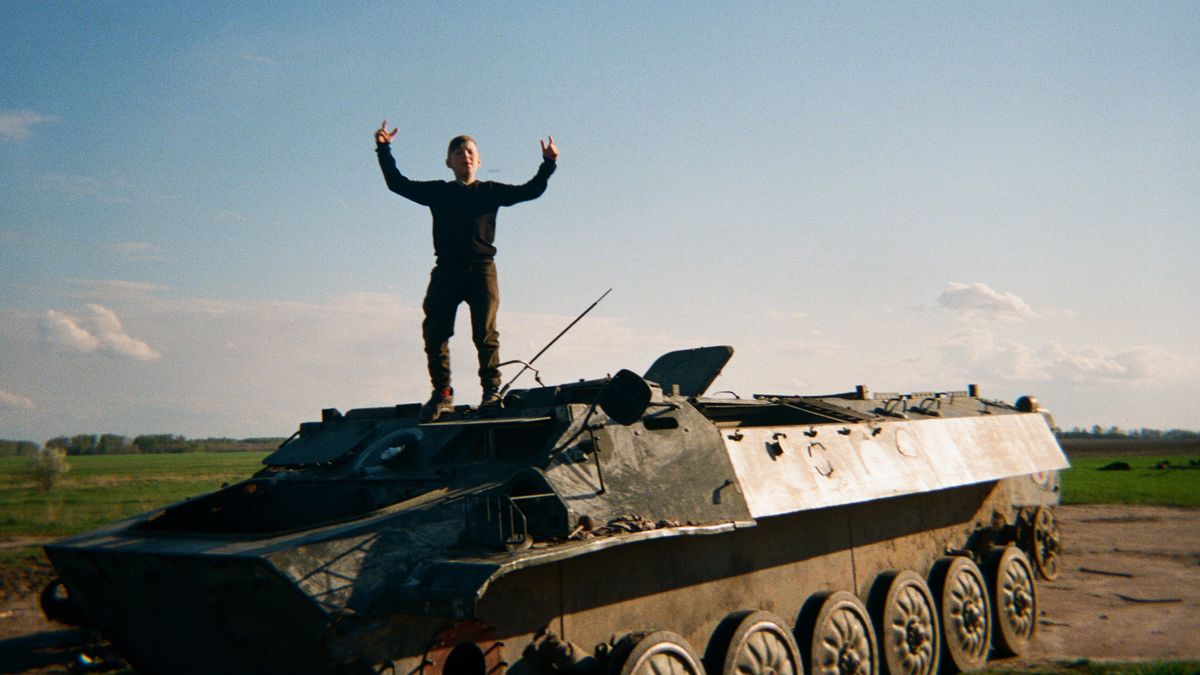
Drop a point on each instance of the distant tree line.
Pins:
(18, 448)
(150, 444)
(146, 444)
(1139, 434)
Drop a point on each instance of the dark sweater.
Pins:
(464, 216)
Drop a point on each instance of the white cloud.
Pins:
(978, 301)
(65, 331)
(13, 402)
(114, 338)
(983, 352)
(101, 333)
(1097, 364)
(17, 125)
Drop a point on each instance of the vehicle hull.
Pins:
(179, 612)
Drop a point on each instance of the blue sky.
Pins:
(195, 238)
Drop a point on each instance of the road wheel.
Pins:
(1014, 600)
(837, 636)
(754, 643)
(906, 624)
(1043, 544)
(58, 605)
(657, 652)
(465, 648)
(963, 612)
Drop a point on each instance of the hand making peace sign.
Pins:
(550, 150)
(382, 136)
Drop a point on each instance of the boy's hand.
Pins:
(382, 136)
(549, 150)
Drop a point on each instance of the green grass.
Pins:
(100, 489)
(1083, 483)
(22, 557)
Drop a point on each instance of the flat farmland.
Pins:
(1159, 473)
(1091, 447)
(100, 489)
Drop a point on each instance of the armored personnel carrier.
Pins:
(628, 524)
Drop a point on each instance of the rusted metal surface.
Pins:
(572, 514)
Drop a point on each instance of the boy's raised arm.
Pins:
(421, 192)
(513, 194)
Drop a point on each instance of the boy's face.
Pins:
(464, 161)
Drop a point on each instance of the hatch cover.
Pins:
(323, 442)
(692, 369)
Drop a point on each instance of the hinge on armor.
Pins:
(897, 406)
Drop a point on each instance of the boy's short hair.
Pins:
(457, 141)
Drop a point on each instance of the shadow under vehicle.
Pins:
(629, 524)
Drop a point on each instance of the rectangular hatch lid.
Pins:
(692, 369)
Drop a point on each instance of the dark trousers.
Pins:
(451, 284)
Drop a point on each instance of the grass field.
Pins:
(1178, 485)
(100, 489)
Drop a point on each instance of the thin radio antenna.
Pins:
(529, 365)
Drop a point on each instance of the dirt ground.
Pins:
(1129, 589)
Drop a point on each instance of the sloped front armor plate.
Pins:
(786, 469)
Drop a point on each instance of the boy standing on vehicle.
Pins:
(464, 229)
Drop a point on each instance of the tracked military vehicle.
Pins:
(628, 524)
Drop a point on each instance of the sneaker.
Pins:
(439, 402)
(491, 397)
